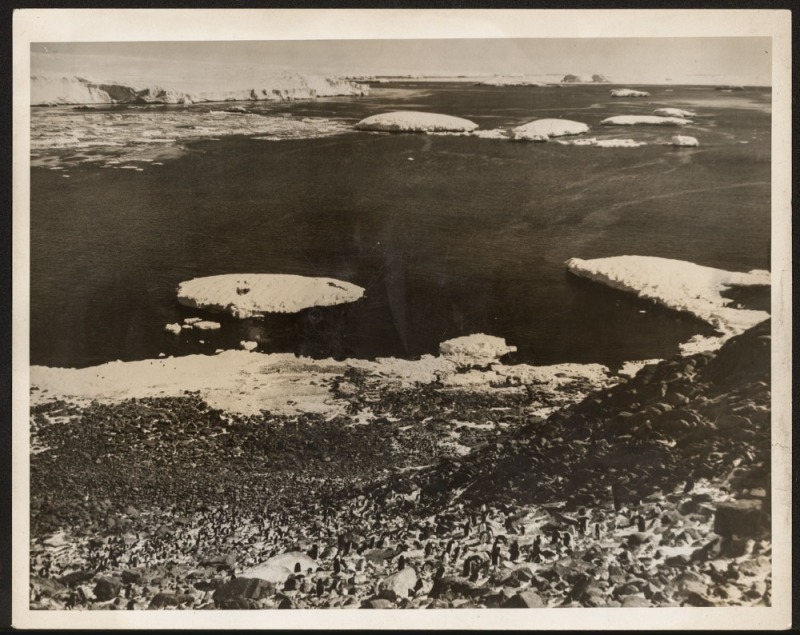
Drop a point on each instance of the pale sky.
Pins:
(199, 65)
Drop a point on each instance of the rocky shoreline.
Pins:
(648, 492)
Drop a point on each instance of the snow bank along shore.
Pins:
(413, 121)
(682, 286)
(248, 295)
(248, 382)
(53, 90)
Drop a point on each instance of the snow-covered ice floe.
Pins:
(544, 129)
(603, 143)
(682, 286)
(413, 121)
(650, 120)
(684, 141)
(674, 112)
(619, 143)
(251, 294)
(628, 92)
(494, 133)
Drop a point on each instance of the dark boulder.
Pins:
(740, 517)
(107, 589)
(525, 600)
(243, 588)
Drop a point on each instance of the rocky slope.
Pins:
(653, 492)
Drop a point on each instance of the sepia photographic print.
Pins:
(414, 309)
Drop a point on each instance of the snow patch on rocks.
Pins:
(250, 295)
(476, 350)
(413, 121)
(682, 286)
(630, 369)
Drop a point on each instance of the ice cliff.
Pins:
(54, 90)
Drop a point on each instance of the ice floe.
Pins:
(543, 129)
(682, 286)
(628, 92)
(249, 294)
(413, 121)
(684, 141)
(603, 143)
(651, 120)
(494, 133)
(674, 112)
(619, 143)
(207, 325)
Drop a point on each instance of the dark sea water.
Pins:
(469, 236)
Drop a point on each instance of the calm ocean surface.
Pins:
(449, 235)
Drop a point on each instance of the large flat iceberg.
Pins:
(252, 294)
(413, 121)
(543, 129)
(650, 120)
(682, 286)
